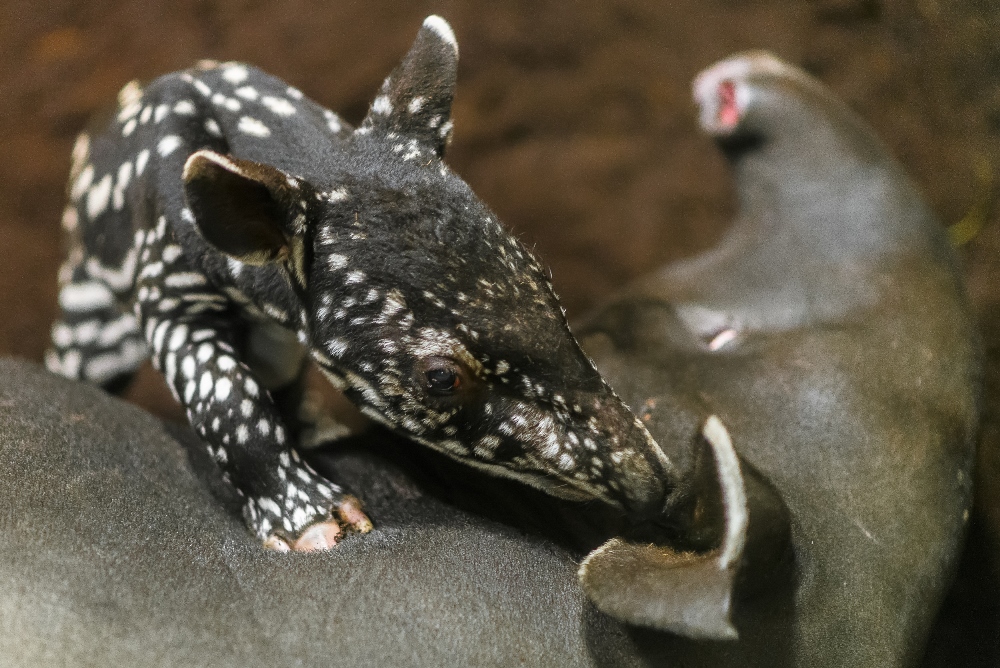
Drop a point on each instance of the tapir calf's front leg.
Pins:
(287, 504)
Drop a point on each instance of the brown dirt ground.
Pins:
(573, 121)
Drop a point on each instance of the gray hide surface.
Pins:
(829, 333)
(123, 548)
(849, 389)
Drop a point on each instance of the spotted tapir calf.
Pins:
(221, 203)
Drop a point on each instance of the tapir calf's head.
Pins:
(436, 321)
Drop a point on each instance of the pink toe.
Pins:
(350, 511)
(320, 536)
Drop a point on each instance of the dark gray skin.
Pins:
(118, 555)
(220, 201)
(829, 332)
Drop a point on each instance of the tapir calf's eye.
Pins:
(443, 377)
(442, 381)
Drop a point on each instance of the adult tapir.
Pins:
(829, 332)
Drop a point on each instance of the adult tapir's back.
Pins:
(829, 332)
(866, 429)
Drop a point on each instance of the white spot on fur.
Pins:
(151, 270)
(81, 149)
(62, 335)
(168, 304)
(70, 219)
(178, 337)
(278, 105)
(201, 87)
(204, 352)
(140, 161)
(168, 145)
(206, 385)
(171, 253)
(252, 126)
(116, 330)
(97, 197)
(159, 334)
(82, 183)
(184, 279)
(382, 106)
(184, 108)
(202, 335)
(189, 367)
(124, 176)
(129, 96)
(247, 93)
(337, 347)
(223, 387)
(235, 74)
(332, 121)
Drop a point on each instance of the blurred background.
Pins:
(573, 121)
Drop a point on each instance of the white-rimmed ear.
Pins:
(691, 593)
(415, 100)
(245, 209)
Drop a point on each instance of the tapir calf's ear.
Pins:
(241, 207)
(415, 100)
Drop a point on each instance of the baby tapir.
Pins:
(220, 200)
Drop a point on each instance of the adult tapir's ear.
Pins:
(246, 209)
(691, 593)
(415, 100)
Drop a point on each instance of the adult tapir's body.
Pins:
(220, 200)
(829, 331)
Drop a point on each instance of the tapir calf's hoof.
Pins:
(319, 536)
(353, 516)
(325, 534)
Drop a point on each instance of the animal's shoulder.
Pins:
(260, 116)
(217, 82)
